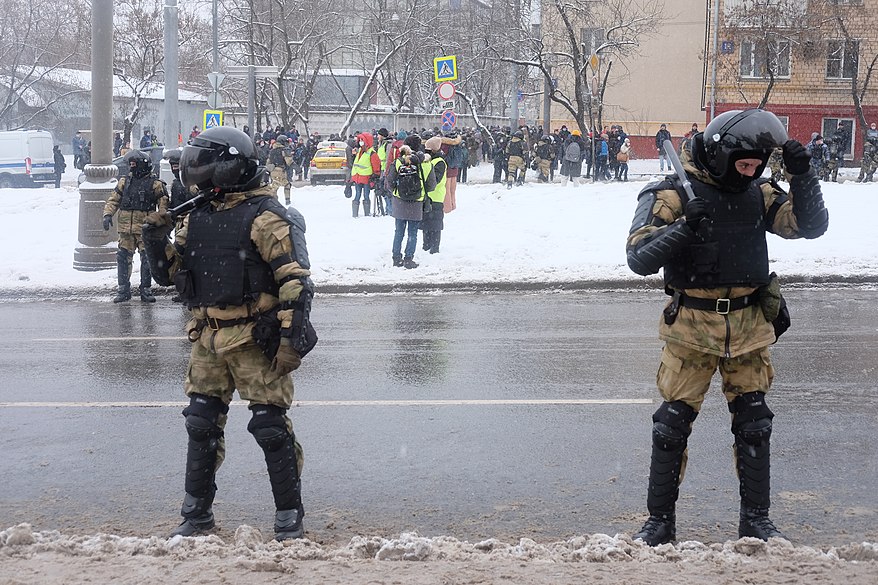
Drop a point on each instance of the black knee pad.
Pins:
(672, 424)
(268, 426)
(202, 416)
(751, 420)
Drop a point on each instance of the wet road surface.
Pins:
(469, 415)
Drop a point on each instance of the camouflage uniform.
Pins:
(732, 335)
(225, 355)
(869, 162)
(836, 158)
(128, 224)
(515, 151)
(281, 157)
(545, 154)
(775, 163)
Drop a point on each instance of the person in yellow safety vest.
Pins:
(408, 212)
(365, 170)
(433, 222)
(383, 197)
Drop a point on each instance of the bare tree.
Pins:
(767, 35)
(852, 49)
(29, 56)
(138, 49)
(575, 33)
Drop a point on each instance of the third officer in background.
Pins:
(134, 197)
(240, 264)
(280, 158)
(516, 152)
(725, 306)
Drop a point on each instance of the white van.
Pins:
(26, 158)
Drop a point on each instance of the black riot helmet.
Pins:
(733, 136)
(139, 164)
(173, 158)
(221, 159)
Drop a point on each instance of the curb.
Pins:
(100, 293)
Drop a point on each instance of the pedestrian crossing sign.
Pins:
(445, 68)
(212, 119)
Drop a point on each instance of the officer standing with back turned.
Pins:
(725, 306)
(240, 264)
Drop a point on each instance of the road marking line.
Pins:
(297, 403)
(152, 338)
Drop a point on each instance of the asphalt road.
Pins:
(469, 415)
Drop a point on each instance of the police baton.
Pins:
(682, 177)
(197, 201)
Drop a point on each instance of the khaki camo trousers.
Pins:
(684, 374)
(246, 369)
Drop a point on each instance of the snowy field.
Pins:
(533, 235)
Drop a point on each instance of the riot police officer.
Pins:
(133, 197)
(726, 308)
(240, 264)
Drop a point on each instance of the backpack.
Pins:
(408, 180)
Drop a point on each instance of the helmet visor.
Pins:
(196, 166)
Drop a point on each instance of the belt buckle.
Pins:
(212, 323)
(723, 306)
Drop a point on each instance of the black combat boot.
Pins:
(754, 522)
(355, 208)
(288, 524)
(751, 424)
(123, 277)
(409, 262)
(197, 515)
(672, 423)
(397, 260)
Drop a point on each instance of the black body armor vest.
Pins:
(223, 263)
(735, 252)
(179, 193)
(139, 194)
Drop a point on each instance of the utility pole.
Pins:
(172, 109)
(513, 109)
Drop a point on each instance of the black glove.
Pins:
(796, 159)
(696, 213)
(157, 226)
(108, 221)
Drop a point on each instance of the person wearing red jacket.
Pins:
(365, 170)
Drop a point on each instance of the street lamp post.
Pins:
(95, 252)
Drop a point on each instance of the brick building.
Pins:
(820, 52)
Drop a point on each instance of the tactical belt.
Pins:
(721, 306)
(216, 324)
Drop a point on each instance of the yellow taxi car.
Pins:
(329, 162)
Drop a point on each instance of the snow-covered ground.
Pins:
(533, 234)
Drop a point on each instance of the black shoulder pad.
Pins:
(297, 233)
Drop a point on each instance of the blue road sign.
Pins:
(212, 119)
(448, 118)
(445, 68)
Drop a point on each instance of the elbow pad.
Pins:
(655, 250)
(811, 216)
(301, 333)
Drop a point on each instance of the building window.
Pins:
(841, 129)
(758, 57)
(842, 59)
(592, 39)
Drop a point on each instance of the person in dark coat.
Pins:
(60, 165)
